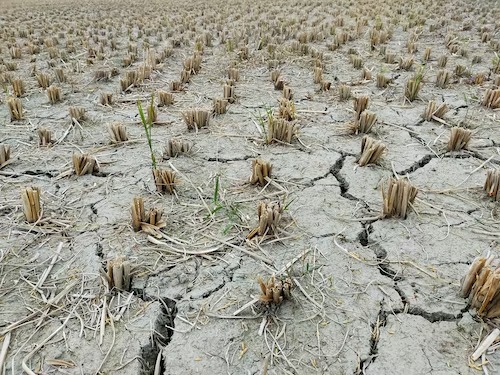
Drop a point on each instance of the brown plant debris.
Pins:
(398, 197)
(165, 180)
(281, 130)
(176, 147)
(54, 94)
(459, 138)
(118, 132)
(106, 98)
(118, 274)
(360, 104)
(165, 98)
(15, 109)
(84, 164)
(260, 171)
(151, 223)
(432, 111)
(18, 87)
(481, 285)
(492, 184)
(492, 98)
(44, 137)
(371, 151)
(196, 118)
(274, 291)
(31, 203)
(220, 106)
(269, 217)
(287, 109)
(43, 80)
(364, 123)
(4, 155)
(229, 93)
(77, 113)
(287, 92)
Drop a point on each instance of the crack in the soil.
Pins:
(432, 317)
(335, 170)
(228, 160)
(416, 165)
(161, 335)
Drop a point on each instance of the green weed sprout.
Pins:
(147, 129)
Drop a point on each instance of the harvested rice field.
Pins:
(249, 187)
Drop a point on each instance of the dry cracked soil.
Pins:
(371, 294)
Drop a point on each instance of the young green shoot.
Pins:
(147, 128)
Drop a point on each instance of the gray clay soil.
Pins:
(371, 296)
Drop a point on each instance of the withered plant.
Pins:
(406, 63)
(491, 99)
(432, 111)
(442, 78)
(382, 81)
(60, 75)
(220, 106)
(260, 171)
(44, 137)
(175, 147)
(371, 151)
(367, 74)
(106, 98)
(481, 284)
(118, 274)
(397, 199)
(413, 86)
(492, 184)
(165, 180)
(15, 109)
(364, 123)
(459, 138)
(357, 61)
(318, 75)
(77, 113)
(196, 118)
(442, 61)
(18, 87)
(165, 98)
(344, 92)
(43, 80)
(4, 155)
(275, 74)
(54, 94)
(360, 104)
(460, 70)
(389, 58)
(233, 74)
(427, 54)
(84, 164)
(117, 132)
(287, 92)
(151, 114)
(279, 83)
(175, 86)
(30, 197)
(269, 217)
(325, 85)
(185, 76)
(274, 291)
(229, 93)
(280, 130)
(287, 109)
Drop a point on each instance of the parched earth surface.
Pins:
(371, 295)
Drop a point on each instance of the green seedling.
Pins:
(147, 129)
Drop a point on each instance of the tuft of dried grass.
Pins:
(106, 98)
(260, 171)
(274, 291)
(220, 106)
(30, 197)
(269, 217)
(4, 155)
(196, 118)
(371, 151)
(44, 137)
(118, 274)
(165, 98)
(84, 164)
(459, 138)
(54, 94)
(176, 147)
(117, 132)
(165, 180)
(398, 198)
(77, 113)
(492, 184)
(433, 111)
(481, 284)
(491, 99)
(15, 109)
